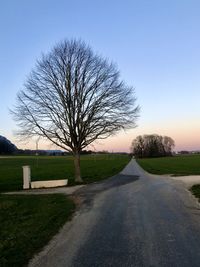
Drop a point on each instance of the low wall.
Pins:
(46, 184)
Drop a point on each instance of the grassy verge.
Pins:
(27, 223)
(195, 189)
(176, 165)
(94, 168)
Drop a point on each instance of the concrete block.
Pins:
(26, 177)
(47, 184)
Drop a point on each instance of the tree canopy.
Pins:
(152, 146)
(73, 97)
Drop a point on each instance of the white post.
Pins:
(26, 177)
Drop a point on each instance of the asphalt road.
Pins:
(132, 219)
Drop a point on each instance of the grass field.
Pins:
(94, 168)
(176, 165)
(27, 223)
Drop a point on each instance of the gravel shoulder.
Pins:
(188, 181)
(63, 190)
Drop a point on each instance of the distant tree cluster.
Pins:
(6, 147)
(152, 146)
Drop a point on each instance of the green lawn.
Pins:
(94, 168)
(27, 223)
(177, 165)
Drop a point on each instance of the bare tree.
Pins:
(168, 144)
(138, 146)
(73, 97)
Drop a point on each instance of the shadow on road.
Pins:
(87, 194)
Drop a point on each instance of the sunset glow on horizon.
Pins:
(184, 136)
(155, 45)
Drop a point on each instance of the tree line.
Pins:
(144, 146)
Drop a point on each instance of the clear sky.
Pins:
(155, 43)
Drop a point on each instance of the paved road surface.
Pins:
(133, 219)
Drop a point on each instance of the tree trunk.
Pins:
(78, 178)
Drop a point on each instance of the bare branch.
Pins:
(73, 97)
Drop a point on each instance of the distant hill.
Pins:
(6, 146)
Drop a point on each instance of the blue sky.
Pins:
(156, 45)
